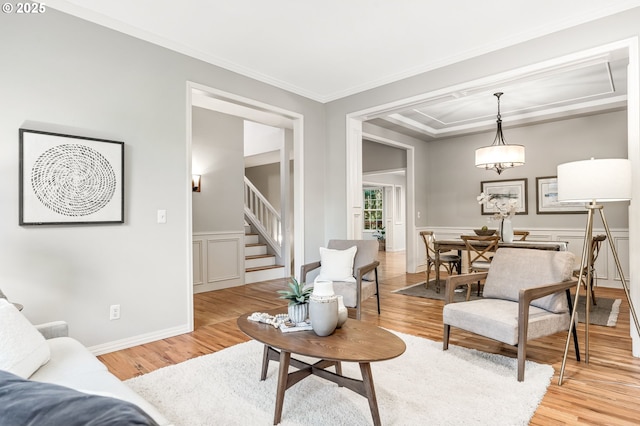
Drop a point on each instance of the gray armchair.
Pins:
(365, 273)
(526, 296)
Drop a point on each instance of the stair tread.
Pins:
(262, 268)
(255, 245)
(259, 256)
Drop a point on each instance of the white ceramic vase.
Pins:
(298, 313)
(506, 230)
(343, 314)
(323, 308)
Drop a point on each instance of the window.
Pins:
(373, 208)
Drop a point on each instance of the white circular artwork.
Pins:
(73, 180)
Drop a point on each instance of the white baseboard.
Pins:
(139, 340)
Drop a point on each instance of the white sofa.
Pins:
(68, 363)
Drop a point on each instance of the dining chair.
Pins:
(522, 234)
(480, 251)
(449, 261)
(596, 243)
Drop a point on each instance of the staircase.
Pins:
(259, 265)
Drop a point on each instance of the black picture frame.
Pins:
(69, 179)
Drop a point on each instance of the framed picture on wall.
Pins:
(547, 198)
(501, 191)
(67, 179)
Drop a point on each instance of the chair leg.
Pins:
(522, 353)
(573, 329)
(377, 290)
(454, 265)
(428, 273)
(445, 337)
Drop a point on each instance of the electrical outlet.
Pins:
(114, 312)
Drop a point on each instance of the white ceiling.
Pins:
(328, 49)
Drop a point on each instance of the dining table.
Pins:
(441, 246)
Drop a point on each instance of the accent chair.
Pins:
(362, 282)
(526, 296)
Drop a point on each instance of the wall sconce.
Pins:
(195, 183)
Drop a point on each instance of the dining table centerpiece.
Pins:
(506, 207)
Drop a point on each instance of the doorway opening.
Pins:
(292, 216)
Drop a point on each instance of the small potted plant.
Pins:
(298, 297)
(380, 235)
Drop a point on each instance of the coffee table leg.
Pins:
(283, 374)
(265, 363)
(367, 381)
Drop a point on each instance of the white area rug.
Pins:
(425, 385)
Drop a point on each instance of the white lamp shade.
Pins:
(488, 156)
(604, 180)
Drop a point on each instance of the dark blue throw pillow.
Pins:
(26, 403)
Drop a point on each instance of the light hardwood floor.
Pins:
(604, 392)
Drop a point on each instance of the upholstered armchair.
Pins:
(362, 280)
(526, 296)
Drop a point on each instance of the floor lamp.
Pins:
(594, 181)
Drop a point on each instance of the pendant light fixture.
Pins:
(499, 156)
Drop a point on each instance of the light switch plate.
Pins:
(162, 216)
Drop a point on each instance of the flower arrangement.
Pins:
(379, 234)
(505, 203)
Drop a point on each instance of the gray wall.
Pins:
(266, 179)
(453, 190)
(218, 150)
(378, 157)
(60, 73)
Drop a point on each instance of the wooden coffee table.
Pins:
(356, 341)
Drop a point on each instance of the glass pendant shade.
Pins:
(606, 180)
(499, 155)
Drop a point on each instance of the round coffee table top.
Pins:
(356, 341)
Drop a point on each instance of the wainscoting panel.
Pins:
(622, 247)
(198, 264)
(606, 270)
(218, 260)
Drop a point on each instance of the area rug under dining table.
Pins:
(425, 385)
(605, 312)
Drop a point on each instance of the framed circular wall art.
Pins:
(67, 179)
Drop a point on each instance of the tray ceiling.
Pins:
(592, 87)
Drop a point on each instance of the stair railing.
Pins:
(265, 219)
